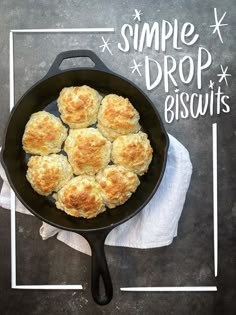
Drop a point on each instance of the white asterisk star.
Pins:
(223, 74)
(135, 67)
(137, 15)
(218, 24)
(105, 45)
(211, 84)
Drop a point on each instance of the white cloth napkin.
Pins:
(155, 226)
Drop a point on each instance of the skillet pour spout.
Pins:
(43, 96)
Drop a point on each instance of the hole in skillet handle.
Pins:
(101, 285)
(71, 63)
(55, 67)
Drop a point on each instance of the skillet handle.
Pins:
(100, 272)
(55, 67)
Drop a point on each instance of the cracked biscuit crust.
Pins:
(88, 151)
(81, 197)
(117, 185)
(79, 106)
(133, 152)
(47, 174)
(44, 134)
(117, 116)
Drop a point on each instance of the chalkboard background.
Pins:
(189, 260)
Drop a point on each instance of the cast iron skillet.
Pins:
(42, 96)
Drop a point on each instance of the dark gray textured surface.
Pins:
(189, 260)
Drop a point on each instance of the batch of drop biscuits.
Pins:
(96, 165)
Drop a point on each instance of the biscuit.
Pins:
(117, 116)
(88, 151)
(117, 185)
(44, 134)
(81, 197)
(47, 174)
(133, 152)
(79, 106)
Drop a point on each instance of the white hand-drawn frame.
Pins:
(13, 197)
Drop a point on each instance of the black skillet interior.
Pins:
(43, 96)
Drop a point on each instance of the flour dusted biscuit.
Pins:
(117, 185)
(79, 105)
(47, 174)
(81, 197)
(133, 152)
(88, 151)
(44, 134)
(117, 116)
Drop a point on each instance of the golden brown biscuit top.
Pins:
(76, 199)
(46, 177)
(79, 105)
(118, 112)
(87, 148)
(81, 197)
(117, 183)
(75, 105)
(132, 151)
(135, 153)
(42, 131)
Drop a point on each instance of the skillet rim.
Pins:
(112, 225)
